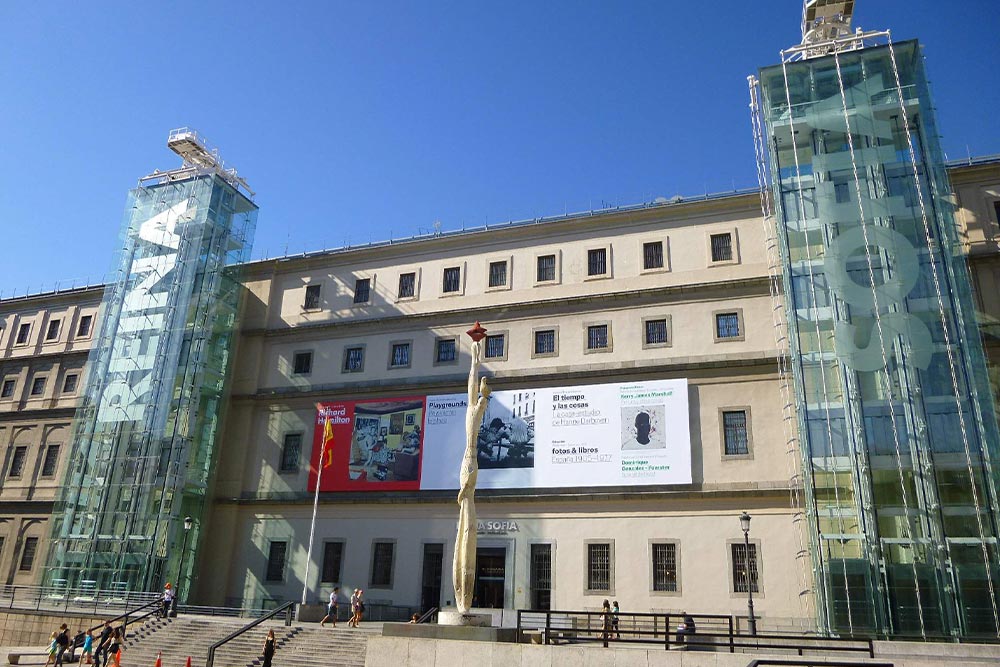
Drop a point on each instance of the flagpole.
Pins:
(312, 524)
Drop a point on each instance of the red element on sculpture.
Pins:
(477, 333)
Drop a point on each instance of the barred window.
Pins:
(28, 554)
(744, 572)
(8, 388)
(599, 567)
(312, 297)
(597, 262)
(656, 332)
(302, 363)
(354, 359)
(362, 290)
(597, 337)
(69, 383)
(291, 451)
(727, 325)
(545, 341)
(452, 279)
(22, 334)
(722, 247)
(17, 461)
(495, 346)
(664, 567)
(276, 561)
(734, 429)
(382, 556)
(541, 576)
(407, 285)
(333, 557)
(83, 330)
(447, 350)
(546, 268)
(53, 331)
(400, 355)
(652, 255)
(38, 386)
(498, 274)
(51, 462)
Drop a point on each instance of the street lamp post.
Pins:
(745, 524)
(188, 522)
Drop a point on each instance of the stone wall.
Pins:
(33, 628)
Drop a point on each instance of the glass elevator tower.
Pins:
(145, 435)
(896, 426)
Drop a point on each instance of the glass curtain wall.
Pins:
(144, 437)
(898, 432)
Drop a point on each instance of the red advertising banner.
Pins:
(369, 445)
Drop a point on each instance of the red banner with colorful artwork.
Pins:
(368, 445)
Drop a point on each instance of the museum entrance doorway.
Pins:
(491, 576)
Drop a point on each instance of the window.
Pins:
(597, 262)
(38, 386)
(498, 274)
(722, 247)
(541, 576)
(312, 297)
(276, 561)
(727, 325)
(744, 569)
(382, 555)
(8, 388)
(83, 329)
(996, 210)
(446, 351)
(17, 461)
(652, 255)
(734, 433)
(496, 346)
(656, 332)
(302, 363)
(28, 555)
(400, 357)
(362, 290)
(407, 285)
(333, 557)
(354, 359)
(69, 383)
(22, 334)
(52, 333)
(664, 567)
(545, 342)
(599, 566)
(597, 337)
(546, 271)
(51, 461)
(291, 451)
(452, 280)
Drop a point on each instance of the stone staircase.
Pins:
(297, 645)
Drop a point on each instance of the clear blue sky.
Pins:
(361, 121)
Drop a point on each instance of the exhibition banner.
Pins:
(625, 434)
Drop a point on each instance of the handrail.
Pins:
(427, 614)
(809, 663)
(288, 608)
(129, 613)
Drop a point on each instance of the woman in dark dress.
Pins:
(268, 648)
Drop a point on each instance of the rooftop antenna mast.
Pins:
(826, 29)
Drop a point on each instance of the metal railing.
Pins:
(81, 600)
(711, 632)
(288, 608)
(812, 663)
(429, 615)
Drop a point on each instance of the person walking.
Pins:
(685, 628)
(87, 655)
(614, 619)
(52, 649)
(268, 649)
(361, 608)
(102, 645)
(62, 643)
(331, 609)
(115, 647)
(605, 621)
(352, 622)
(168, 599)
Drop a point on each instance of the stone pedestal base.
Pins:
(465, 620)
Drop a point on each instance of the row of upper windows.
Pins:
(656, 332)
(19, 458)
(547, 271)
(38, 382)
(83, 330)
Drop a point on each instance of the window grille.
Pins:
(354, 359)
(407, 285)
(302, 363)
(597, 262)
(37, 386)
(546, 268)
(498, 274)
(599, 567)
(722, 247)
(8, 388)
(734, 428)
(727, 325)
(333, 557)
(276, 561)
(17, 461)
(742, 575)
(545, 342)
(51, 462)
(495, 346)
(400, 355)
(541, 576)
(656, 332)
(290, 452)
(28, 555)
(597, 337)
(312, 297)
(53, 331)
(22, 334)
(664, 567)
(452, 279)
(652, 255)
(84, 329)
(446, 350)
(382, 553)
(362, 290)
(69, 384)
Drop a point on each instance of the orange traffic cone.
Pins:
(159, 659)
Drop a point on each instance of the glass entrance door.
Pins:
(430, 587)
(491, 573)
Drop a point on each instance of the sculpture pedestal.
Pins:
(469, 620)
